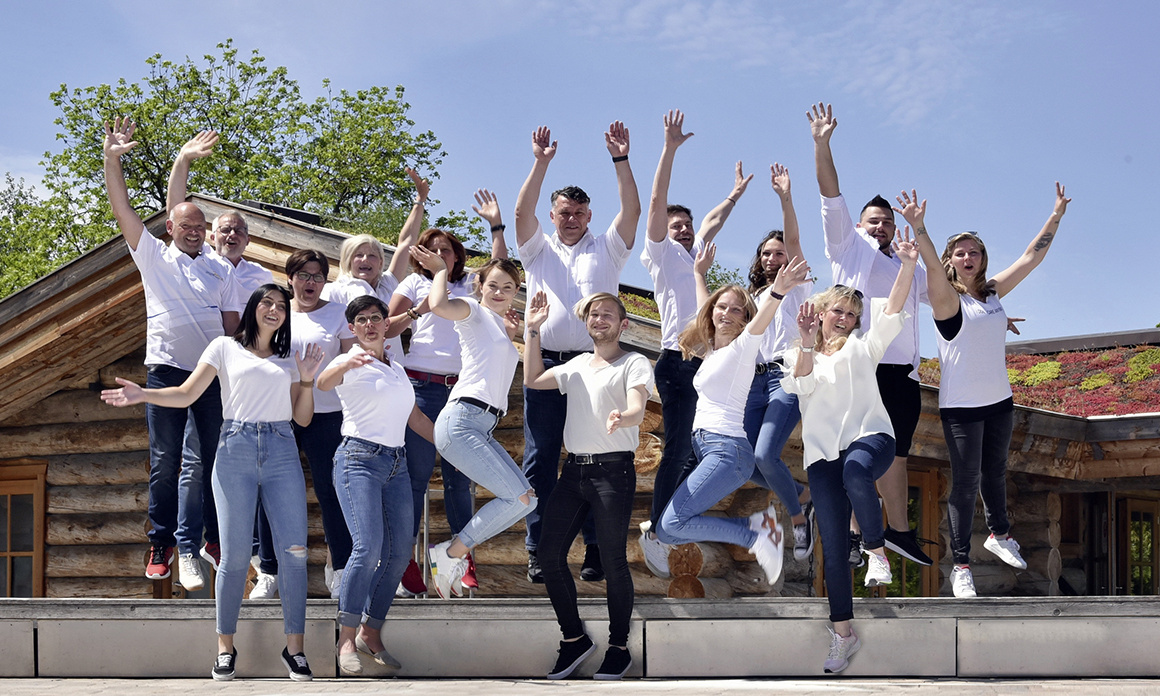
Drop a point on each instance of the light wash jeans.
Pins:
(374, 491)
(431, 398)
(770, 416)
(726, 463)
(463, 435)
(260, 459)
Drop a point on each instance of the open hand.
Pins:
(537, 312)
(822, 121)
(543, 147)
(613, 421)
(791, 275)
(119, 136)
(128, 395)
(779, 179)
(308, 364)
(808, 322)
(704, 260)
(199, 146)
(616, 139)
(905, 247)
(428, 259)
(487, 207)
(422, 186)
(674, 123)
(911, 209)
(511, 323)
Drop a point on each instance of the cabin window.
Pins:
(1139, 553)
(21, 533)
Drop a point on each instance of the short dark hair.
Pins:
(674, 209)
(247, 331)
(878, 202)
(362, 303)
(304, 256)
(572, 193)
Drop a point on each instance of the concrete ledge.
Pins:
(1103, 647)
(18, 649)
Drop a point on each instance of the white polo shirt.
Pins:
(567, 274)
(434, 344)
(184, 300)
(346, 288)
(857, 263)
(250, 275)
(377, 400)
(671, 268)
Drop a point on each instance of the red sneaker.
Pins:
(160, 558)
(413, 583)
(469, 579)
(212, 553)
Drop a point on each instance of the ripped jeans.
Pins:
(260, 459)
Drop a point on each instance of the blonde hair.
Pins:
(350, 246)
(699, 335)
(582, 307)
(824, 300)
(982, 288)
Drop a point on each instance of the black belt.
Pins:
(445, 380)
(481, 404)
(603, 458)
(762, 368)
(561, 356)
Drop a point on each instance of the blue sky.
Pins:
(981, 106)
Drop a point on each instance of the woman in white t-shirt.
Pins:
(463, 431)
(262, 391)
(846, 432)
(370, 475)
(727, 332)
(974, 399)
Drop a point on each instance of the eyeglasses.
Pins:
(857, 292)
(236, 229)
(364, 319)
(304, 276)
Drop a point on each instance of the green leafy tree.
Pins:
(719, 275)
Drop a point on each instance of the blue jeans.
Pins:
(836, 487)
(674, 378)
(375, 493)
(726, 463)
(195, 508)
(431, 397)
(166, 440)
(463, 434)
(260, 459)
(770, 417)
(544, 413)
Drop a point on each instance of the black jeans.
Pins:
(978, 454)
(607, 491)
(674, 378)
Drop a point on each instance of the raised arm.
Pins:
(119, 141)
(302, 392)
(616, 139)
(410, 230)
(331, 377)
(199, 146)
(908, 255)
(779, 179)
(535, 376)
(543, 150)
(944, 299)
(822, 125)
(1006, 280)
(657, 224)
(454, 309)
(487, 208)
(180, 396)
(788, 278)
(701, 265)
(715, 220)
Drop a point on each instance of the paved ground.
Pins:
(498, 687)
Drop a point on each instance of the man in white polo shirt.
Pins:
(191, 297)
(568, 266)
(670, 248)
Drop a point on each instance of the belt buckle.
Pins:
(583, 459)
(760, 369)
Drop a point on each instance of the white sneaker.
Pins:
(962, 582)
(1007, 550)
(878, 570)
(446, 571)
(841, 650)
(656, 552)
(336, 584)
(189, 572)
(769, 544)
(265, 587)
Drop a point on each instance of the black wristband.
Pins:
(622, 158)
(498, 228)
(776, 295)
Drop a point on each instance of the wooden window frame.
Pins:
(21, 477)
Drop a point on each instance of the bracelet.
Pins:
(776, 295)
(622, 158)
(419, 202)
(413, 314)
(498, 228)
(805, 350)
(304, 383)
(730, 200)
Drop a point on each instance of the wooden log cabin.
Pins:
(1084, 492)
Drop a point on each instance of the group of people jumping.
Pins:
(244, 374)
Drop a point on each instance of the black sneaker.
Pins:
(223, 667)
(299, 670)
(856, 558)
(906, 544)
(591, 569)
(535, 575)
(616, 663)
(572, 654)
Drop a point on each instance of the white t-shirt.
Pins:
(782, 331)
(722, 383)
(839, 399)
(377, 400)
(184, 300)
(488, 355)
(857, 262)
(974, 362)
(594, 392)
(434, 344)
(568, 274)
(325, 327)
(671, 268)
(254, 390)
(346, 288)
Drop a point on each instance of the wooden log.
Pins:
(990, 579)
(691, 587)
(71, 406)
(1032, 584)
(1031, 506)
(749, 579)
(65, 500)
(1046, 562)
(74, 438)
(111, 561)
(748, 500)
(1041, 534)
(118, 588)
(98, 469)
(703, 559)
(653, 421)
(648, 454)
(98, 529)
